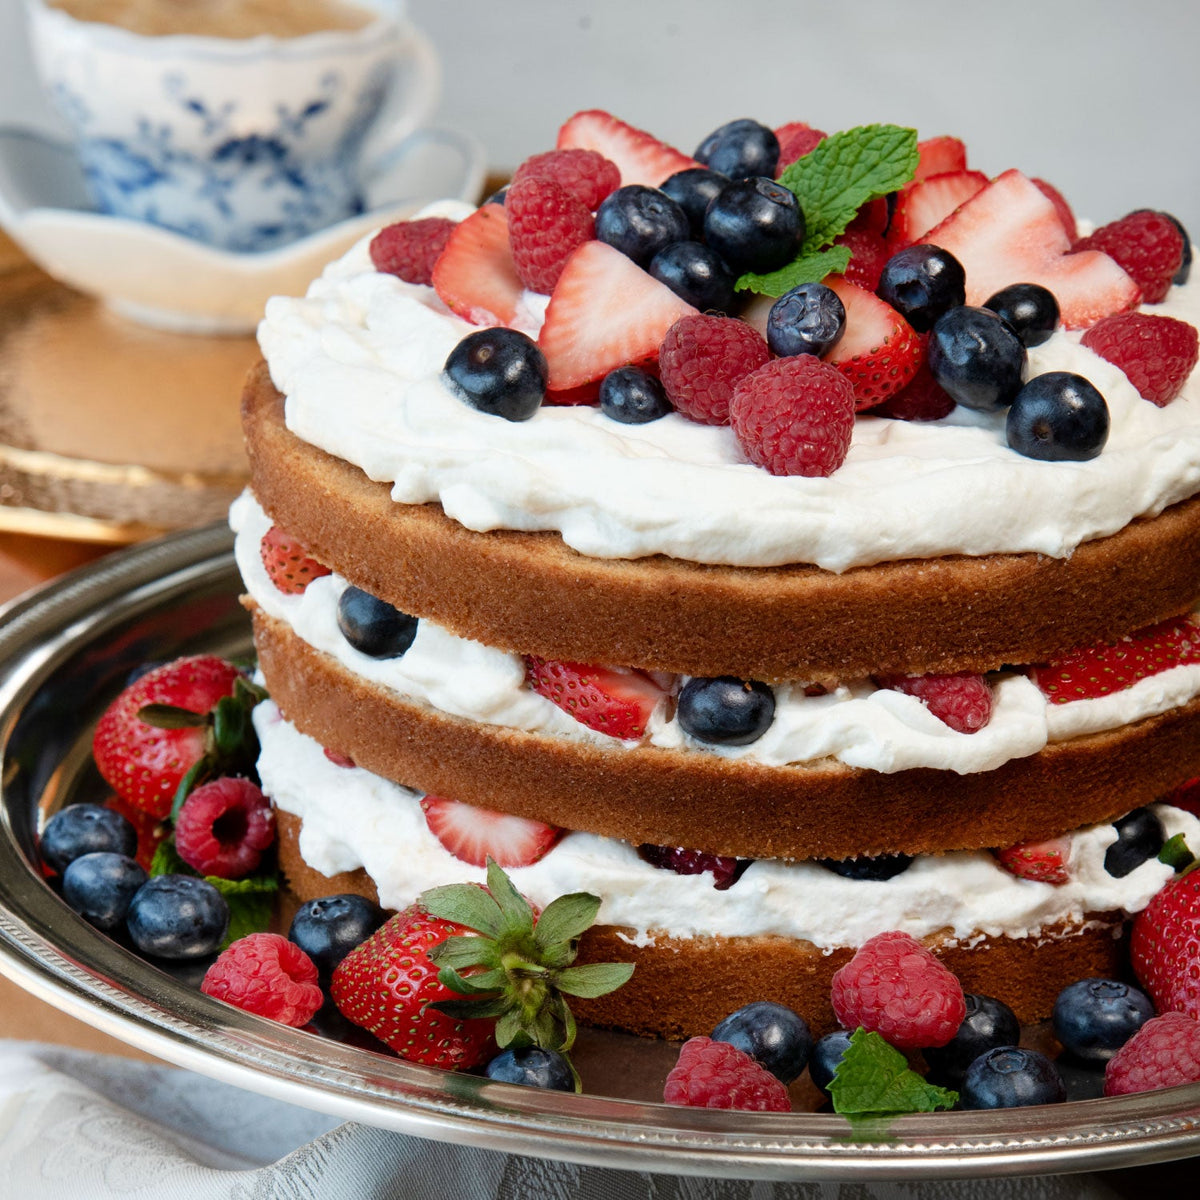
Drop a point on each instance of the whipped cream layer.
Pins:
(856, 724)
(354, 819)
(360, 360)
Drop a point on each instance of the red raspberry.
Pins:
(702, 359)
(545, 224)
(410, 248)
(1185, 796)
(869, 254)
(266, 974)
(1164, 1053)
(962, 701)
(717, 1075)
(1157, 354)
(794, 416)
(224, 827)
(725, 869)
(894, 986)
(287, 562)
(1147, 246)
(796, 139)
(1164, 946)
(586, 174)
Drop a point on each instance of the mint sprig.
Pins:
(875, 1078)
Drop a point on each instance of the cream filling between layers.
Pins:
(354, 819)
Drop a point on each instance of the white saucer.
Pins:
(160, 278)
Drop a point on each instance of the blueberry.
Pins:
(640, 221)
(1139, 838)
(500, 372)
(921, 283)
(1029, 308)
(726, 711)
(693, 190)
(696, 274)
(327, 929)
(976, 358)
(1009, 1077)
(532, 1066)
(177, 916)
(989, 1024)
(878, 867)
(100, 885)
(1185, 265)
(807, 320)
(498, 196)
(1058, 417)
(633, 396)
(85, 829)
(755, 225)
(740, 149)
(1094, 1018)
(771, 1034)
(372, 626)
(826, 1055)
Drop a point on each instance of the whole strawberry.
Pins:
(1164, 946)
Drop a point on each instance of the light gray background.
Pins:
(1100, 97)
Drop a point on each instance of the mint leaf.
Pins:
(874, 1077)
(808, 268)
(251, 903)
(1175, 853)
(166, 860)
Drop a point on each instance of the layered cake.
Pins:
(935, 683)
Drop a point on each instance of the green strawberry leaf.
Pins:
(171, 716)
(465, 904)
(565, 919)
(466, 951)
(808, 268)
(1175, 853)
(470, 1010)
(874, 1077)
(518, 916)
(594, 979)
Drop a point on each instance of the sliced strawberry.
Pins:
(869, 254)
(475, 275)
(939, 155)
(796, 139)
(608, 700)
(1185, 796)
(604, 312)
(928, 202)
(1103, 669)
(879, 352)
(1011, 233)
(474, 835)
(585, 393)
(287, 562)
(873, 217)
(1043, 862)
(640, 157)
(1065, 215)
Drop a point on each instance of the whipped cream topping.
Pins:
(360, 360)
(856, 724)
(354, 819)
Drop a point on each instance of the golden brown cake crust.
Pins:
(530, 593)
(706, 802)
(683, 986)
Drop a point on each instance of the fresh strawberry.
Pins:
(618, 703)
(474, 835)
(639, 156)
(545, 224)
(1103, 669)
(475, 275)
(588, 176)
(879, 352)
(938, 155)
(287, 562)
(1011, 233)
(1065, 215)
(1164, 946)
(927, 202)
(796, 139)
(1185, 796)
(1148, 246)
(869, 253)
(150, 829)
(1157, 354)
(604, 312)
(874, 217)
(1043, 862)
(921, 399)
(585, 393)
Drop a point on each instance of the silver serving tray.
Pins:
(66, 650)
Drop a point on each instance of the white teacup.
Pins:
(243, 143)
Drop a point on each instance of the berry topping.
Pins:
(328, 928)
(740, 149)
(1094, 1018)
(926, 203)
(825, 1057)
(586, 175)
(1065, 215)
(633, 396)
(372, 626)
(1147, 245)
(962, 701)
(692, 190)
(100, 886)
(726, 871)
(619, 703)
(475, 275)
(875, 868)
(545, 223)
(937, 155)
(1165, 1052)
(605, 312)
(772, 1035)
(921, 283)
(338, 758)
(1185, 267)
(1058, 417)
(726, 711)
(287, 562)
(640, 157)
(266, 974)
(869, 253)
(1139, 838)
(713, 1074)
(755, 225)
(1186, 796)
(894, 986)
(531, 1066)
(703, 358)
(796, 139)
(1030, 309)
(1164, 946)
(177, 917)
(499, 371)
(85, 829)
(921, 399)
(224, 827)
(1157, 354)
(473, 835)
(1011, 1077)
(1043, 862)
(696, 274)
(807, 320)
(976, 358)
(988, 1025)
(640, 221)
(409, 249)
